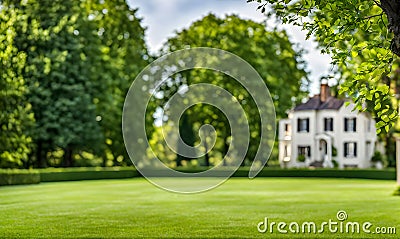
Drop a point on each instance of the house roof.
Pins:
(315, 103)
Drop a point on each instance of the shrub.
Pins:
(75, 174)
(334, 151)
(387, 174)
(301, 158)
(377, 157)
(13, 177)
(397, 192)
(16, 176)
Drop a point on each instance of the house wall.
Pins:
(365, 131)
(303, 138)
(363, 134)
(284, 140)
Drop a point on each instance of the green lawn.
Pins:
(134, 208)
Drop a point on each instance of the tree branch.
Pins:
(377, 3)
(372, 16)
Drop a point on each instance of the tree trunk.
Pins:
(104, 163)
(178, 160)
(392, 10)
(68, 161)
(206, 156)
(40, 157)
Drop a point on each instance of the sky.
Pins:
(163, 17)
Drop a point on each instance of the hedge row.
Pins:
(14, 177)
(386, 174)
(76, 174)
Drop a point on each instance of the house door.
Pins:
(323, 149)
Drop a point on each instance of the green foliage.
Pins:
(75, 174)
(270, 52)
(335, 164)
(334, 151)
(386, 174)
(78, 58)
(16, 177)
(359, 36)
(397, 191)
(123, 54)
(159, 147)
(16, 118)
(57, 75)
(301, 158)
(377, 157)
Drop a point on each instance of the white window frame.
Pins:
(350, 149)
(350, 124)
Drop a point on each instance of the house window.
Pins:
(287, 129)
(350, 124)
(303, 125)
(328, 124)
(350, 150)
(286, 152)
(304, 150)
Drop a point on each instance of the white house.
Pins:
(322, 130)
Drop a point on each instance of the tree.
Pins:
(16, 118)
(363, 38)
(123, 55)
(57, 75)
(270, 53)
(81, 58)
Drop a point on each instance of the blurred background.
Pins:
(66, 68)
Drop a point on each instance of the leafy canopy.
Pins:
(16, 118)
(271, 53)
(363, 38)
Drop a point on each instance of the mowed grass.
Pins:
(134, 208)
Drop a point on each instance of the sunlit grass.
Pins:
(134, 208)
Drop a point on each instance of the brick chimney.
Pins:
(325, 91)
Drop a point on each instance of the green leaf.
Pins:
(377, 106)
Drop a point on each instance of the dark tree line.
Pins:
(66, 66)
